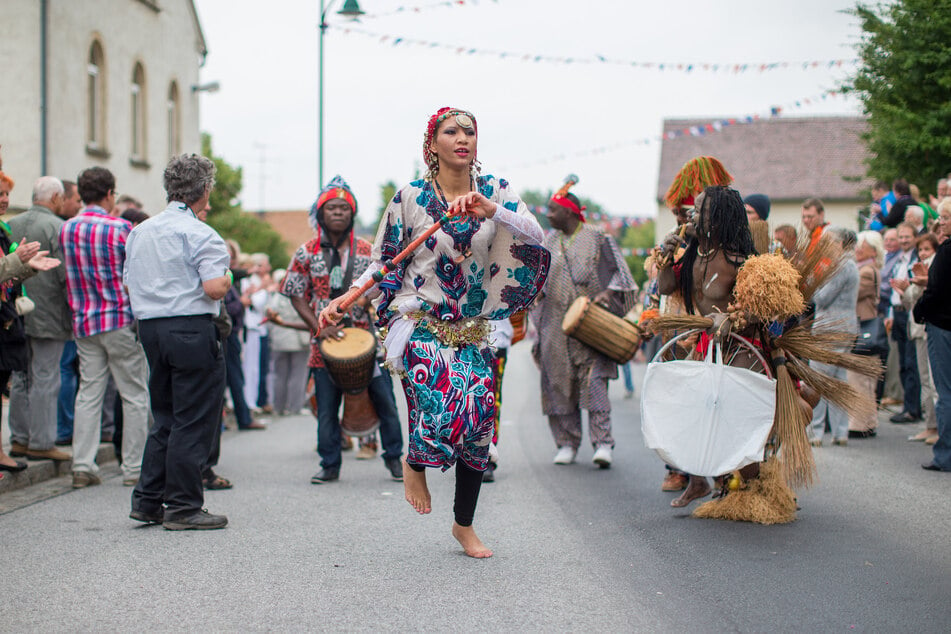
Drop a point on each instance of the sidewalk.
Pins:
(41, 470)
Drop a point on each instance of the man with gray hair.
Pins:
(34, 393)
(177, 272)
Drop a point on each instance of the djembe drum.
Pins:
(602, 330)
(351, 362)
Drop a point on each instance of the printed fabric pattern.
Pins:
(308, 276)
(450, 397)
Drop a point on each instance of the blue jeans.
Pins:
(68, 386)
(328, 421)
(628, 381)
(939, 354)
(264, 368)
(235, 378)
(909, 364)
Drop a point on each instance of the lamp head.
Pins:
(351, 9)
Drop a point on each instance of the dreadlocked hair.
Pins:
(725, 227)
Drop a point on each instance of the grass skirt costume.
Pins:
(470, 271)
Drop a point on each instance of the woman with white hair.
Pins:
(835, 302)
(869, 257)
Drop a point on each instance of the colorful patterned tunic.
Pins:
(308, 276)
(469, 271)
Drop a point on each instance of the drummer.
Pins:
(585, 262)
(322, 269)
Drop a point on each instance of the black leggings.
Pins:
(468, 484)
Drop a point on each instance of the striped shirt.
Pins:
(93, 246)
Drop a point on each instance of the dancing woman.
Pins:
(485, 263)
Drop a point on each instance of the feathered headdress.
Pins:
(560, 197)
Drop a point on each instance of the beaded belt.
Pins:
(474, 331)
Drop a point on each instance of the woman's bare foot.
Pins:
(697, 487)
(470, 542)
(415, 489)
(7, 460)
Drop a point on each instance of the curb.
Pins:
(42, 470)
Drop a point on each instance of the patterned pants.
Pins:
(566, 428)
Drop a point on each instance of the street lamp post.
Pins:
(351, 9)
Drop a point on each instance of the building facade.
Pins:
(788, 159)
(112, 83)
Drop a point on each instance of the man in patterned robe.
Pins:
(584, 261)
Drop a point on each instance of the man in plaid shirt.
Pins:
(93, 245)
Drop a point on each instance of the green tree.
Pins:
(387, 191)
(904, 82)
(253, 234)
(638, 237)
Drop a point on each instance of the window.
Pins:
(96, 99)
(138, 113)
(174, 123)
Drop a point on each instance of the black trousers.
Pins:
(187, 371)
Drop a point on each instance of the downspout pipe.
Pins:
(44, 79)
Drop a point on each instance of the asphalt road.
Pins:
(576, 548)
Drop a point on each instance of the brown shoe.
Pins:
(674, 482)
(17, 450)
(48, 454)
(83, 479)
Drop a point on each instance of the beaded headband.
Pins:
(464, 119)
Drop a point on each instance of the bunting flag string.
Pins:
(704, 129)
(445, 4)
(682, 67)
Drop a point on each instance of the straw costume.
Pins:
(770, 293)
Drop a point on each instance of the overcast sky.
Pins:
(538, 121)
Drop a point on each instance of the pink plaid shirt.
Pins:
(93, 246)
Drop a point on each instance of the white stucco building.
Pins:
(99, 82)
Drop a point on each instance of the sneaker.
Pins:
(83, 479)
(628, 394)
(565, 455)
(202, 520)
(489, 474)
(366, 452)
(602, 457)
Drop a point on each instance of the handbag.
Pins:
(872, 339)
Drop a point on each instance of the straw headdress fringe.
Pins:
(763, 500)
(696, 175)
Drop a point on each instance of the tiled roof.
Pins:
(784, 158)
